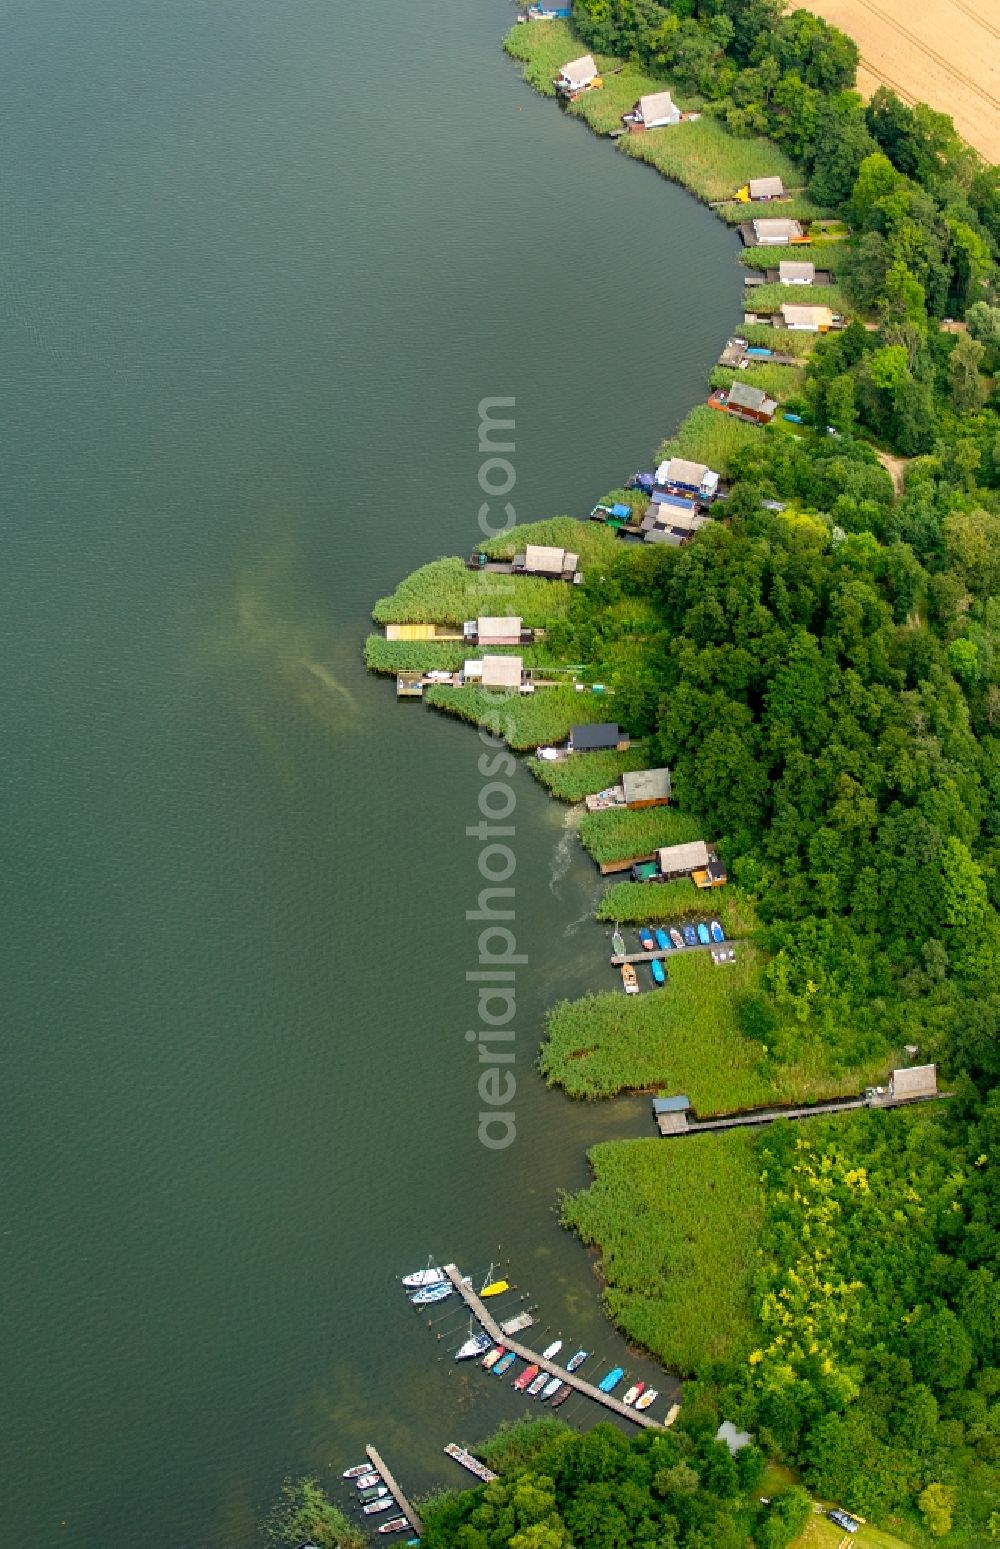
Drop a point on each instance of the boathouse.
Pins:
(596, 736)
(557, 11)
(542, 560)
(913, 1083)
(748, 403)
(806, 319)
(792, 273)
(671, 1114)
(652, 112)
(763, 188)
(646, 788)
(680, 860)
(493, 631)
(502, 672)
(777, 233)
(672, 526)
(679, 473)
(579, 75)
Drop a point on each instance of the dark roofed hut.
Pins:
(596, 736)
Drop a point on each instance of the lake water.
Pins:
(261, 262)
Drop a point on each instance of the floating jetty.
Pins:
(534, 1358)
(515, 1325)
(463, 1456)
(407, 1510)
(618, 958)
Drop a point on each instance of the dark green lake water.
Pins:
(260, 263)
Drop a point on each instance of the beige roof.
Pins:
(677, 470)
(502, 671)
(917, 1081)
(683, 857)
(791, 273)
(660, 104)
(776, 231)
(681, 521)
(805, 317)
(497, 629)
(580, 70)
(538, 556)
(766, 187)
(646, 784)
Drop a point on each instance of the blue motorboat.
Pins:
(662, 939)
(658, 971)
(718, 934)
(576, 1360)
(703, 935)
(610, 1382)
(690, 936)
(646, 939)
(432, 1293)
(504, 1364)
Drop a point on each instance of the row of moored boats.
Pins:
(374, 1498)
(539, 1384)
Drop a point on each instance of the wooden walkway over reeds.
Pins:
(672, 1125)
(533, 1358)
(664, 956)
(408, 1512)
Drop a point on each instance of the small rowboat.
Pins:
(551, 1351)
(365, 1481)
(610, 1381)
(562, 1395)
(490, 1360)
(718, 934)
(576, 1360)
(551, 1388)
(375, 1507)
(375, 1491)
(394, 1525)
(634, 1392)
(663, 940)
(504, 1364)
(356, 1471)
(658, 972)
(703, 935)
(495, 1288)
(629, 979)
(528, 1375)
(618, 943)
(539, 1383)
(646, 939)
(676, 937)
(649, 1397)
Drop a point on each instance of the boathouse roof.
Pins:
(498, 628)
(766, 188)
(914, 1081)
(593, 735)
(646, 785)
(792, 273)
(683, 857)
(658, 105)
(502, 671)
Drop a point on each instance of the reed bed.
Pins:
(571, 779)
(661, 903)
(617, 834)
(447, 592)
(709, 436)
(524, 721)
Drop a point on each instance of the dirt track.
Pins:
(943, 52)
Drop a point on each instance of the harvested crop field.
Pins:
(943, 52)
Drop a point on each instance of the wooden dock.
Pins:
(663, 956)
(533, 1358)
(672, 1125)
(407, 1510)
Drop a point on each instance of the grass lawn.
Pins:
(768, 298)
(571, 779)
(780, 382)
(658, 903)
(543, 48)
(523, 720)
(705, 158)
(618, 834)
(446, 592)
(677, 1225)
(684, 1038)
(592, 541)
(709, 436)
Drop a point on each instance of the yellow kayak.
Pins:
(495, 1287)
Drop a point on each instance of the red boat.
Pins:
(528, 1375)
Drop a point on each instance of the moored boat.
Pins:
(432, 1293)
(634, 1392)
(528, 1375)
(618, 943)
(718, 934)
(703, 935)
(495, 1288)
(649, 1397)
(630, 979)
(662, 940)
(611, 1379)
(473, 1346)
(424, 1277)
(504, 1364)
(551, 1388)
(356, 1470)
(562, 1395)
(657, 972)
(576, 1360)
(394, 1525)
(365, 1481)
(374, 1508)
(646, 939)
(374, 1492)
(676, 937)
(551, 1351)
(491, 1359)
(535, 1388)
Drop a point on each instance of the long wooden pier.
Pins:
(408, 1512)
(664, 956)
(533, 1358)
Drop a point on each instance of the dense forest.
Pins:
(820, 669)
